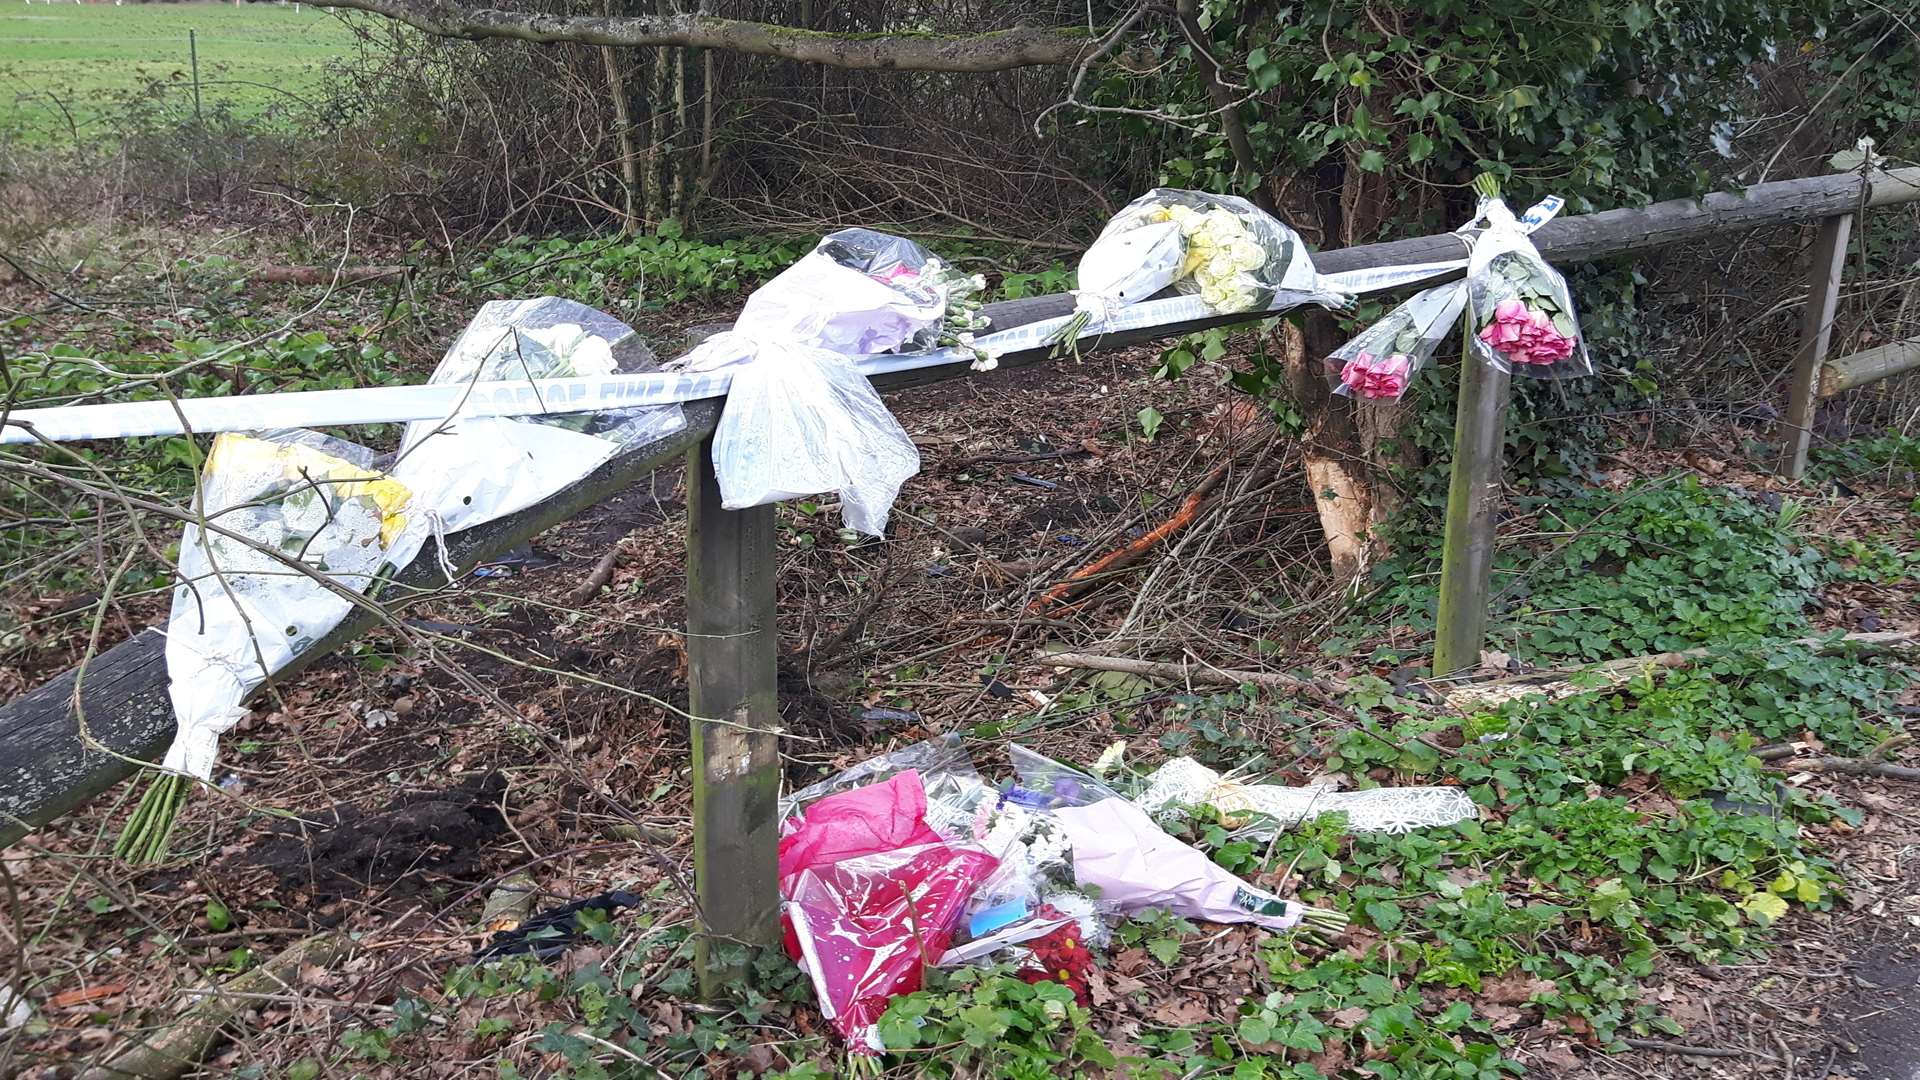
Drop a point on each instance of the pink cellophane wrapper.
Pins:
(872, 895)
(866, 928)
(1135, 864)
(879, 817)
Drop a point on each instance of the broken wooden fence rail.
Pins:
(49, 767)
(1863, 368)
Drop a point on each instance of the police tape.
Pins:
(591, 394)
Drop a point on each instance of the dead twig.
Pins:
(182, 1043)
(1133, 550)
(1319, 690)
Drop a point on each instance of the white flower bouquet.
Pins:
(1225, 250)
(308, 506)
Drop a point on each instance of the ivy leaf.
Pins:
(1165, 950)
(1373, 161)
(1419, 147)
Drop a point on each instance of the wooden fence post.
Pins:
(1816, 331)
(732, 644)
(1473, 499)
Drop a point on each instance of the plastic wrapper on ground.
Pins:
(1260, 810)
(871, 895)
(867, 927)
(1133, 864)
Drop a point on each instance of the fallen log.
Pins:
(183, 1042)
(1854, 766)
(1562, 682)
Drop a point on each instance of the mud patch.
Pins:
(442, 831)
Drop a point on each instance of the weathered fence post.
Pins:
(1816, 331)
(731, 653)
(1473, 501)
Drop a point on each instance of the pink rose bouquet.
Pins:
(1523, 315)
(1379, 363)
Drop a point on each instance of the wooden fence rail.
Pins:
(57, 757)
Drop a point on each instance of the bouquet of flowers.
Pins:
(240, 611)
(906, 267)
(1521, 309)
(1233, 255)
(1380, 361)
(800, 418)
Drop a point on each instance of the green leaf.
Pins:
(1419, 147)
(1164, 949)
(1150, 419)
(1764, 907)
(1373, 161)
(218, 917)
(1254, 1030)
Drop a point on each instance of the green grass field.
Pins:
(86, 57)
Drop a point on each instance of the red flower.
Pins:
(1063, 958)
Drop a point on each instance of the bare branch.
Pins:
(994, 50)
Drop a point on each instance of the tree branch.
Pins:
(994, 50)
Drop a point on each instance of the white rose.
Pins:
(1249, 255)
(1213, 296)
(1222, 266)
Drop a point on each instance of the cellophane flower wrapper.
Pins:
(870, 896)
(240, 614)
(1522, 312)
(1130, 863)
(1379, 363)
(467, 470)
(800, 418)
(867, 927)
(1222, 248)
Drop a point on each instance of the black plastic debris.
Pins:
(878, 716)
(552, 932)
(518, 561)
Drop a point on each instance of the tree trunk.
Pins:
(680, 159)
(623, 134)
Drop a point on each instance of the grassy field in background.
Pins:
(88, 56)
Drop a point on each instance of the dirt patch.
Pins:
(392, 847)
(1875, 1025)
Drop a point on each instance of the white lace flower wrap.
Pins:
(1186, 782)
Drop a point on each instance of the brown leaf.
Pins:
(1181, 1012)
(1097, 988)
(1502, 1017)
(1560, 1056)
(1514, 988)
(1350, 1017)
(1330, 1061)
(84, 995)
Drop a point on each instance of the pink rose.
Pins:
(1381, 377)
